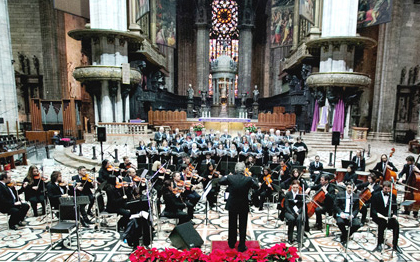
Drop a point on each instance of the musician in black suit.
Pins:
(116, 203)
(380, 210)
(360, 161)
(408, 170)
(160, 136)
(346, 204)
(54, 190)
(328, 204)
(83, 188)
(173, 204)
(315, 169)
(350, 176)
(237, 204)
(11, 204)
(293, 205)
(380, 166)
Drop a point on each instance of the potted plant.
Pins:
(198, 128)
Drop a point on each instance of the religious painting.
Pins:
(282, 23)
(307, 10)
(143, 8)
(374, 12)
(166, 22)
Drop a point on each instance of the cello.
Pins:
(413, 185)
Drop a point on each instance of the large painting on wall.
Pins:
(374, 12)
(307, 10)
(282, 22)
(166, 22)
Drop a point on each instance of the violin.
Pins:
(139, 179)
(112, 169)
(214, 174)
(86, 178)
(40, 177)
(267, 179)
(14, 183)
(121, 184)
(247, 172)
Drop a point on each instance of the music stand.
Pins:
(204, 197)
(346, 163)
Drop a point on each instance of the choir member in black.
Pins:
(237, 204)
(212, 176)
(295, 176)
(266, 187)
(346, 204)
(10, 203)
(350, 176)
(408, 170)
(153, 152)
(164, 152)
(293, 162)
(300, 149)
(194, 153)
(315, 168)
(259, 134)
(288, 137)
(177, 152)
(125, 165)
(141, 153)
(373, 185)
(233, 154)
(380, 209)
(185, 190)
(173, 203)
(55, 191)
(328, 204)
(244, 152)
(293, 204)
(273, 151)
(286, 151)
(260, 158)
(34, 188)
(380, 166)
(83, 188)
(168, 137)
(116, 203)
(220, 154)
(359, 161)
(160, 136)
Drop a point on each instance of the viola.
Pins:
(138, 179)
(247, 172)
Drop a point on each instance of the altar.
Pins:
(233, 125)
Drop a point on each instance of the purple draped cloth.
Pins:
(316, 117)
(339, 116)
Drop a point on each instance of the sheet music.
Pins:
(141, 152)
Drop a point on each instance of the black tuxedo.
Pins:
(378, 206)
(54, 194)
(407, 170)
(294, 218)
(361, 187)
(313, 166)
(340, 207)
(174, 207)
(379, 167)
(360, 164)
(116, 204)
(238, 206)
(327, 205)
(7, 205)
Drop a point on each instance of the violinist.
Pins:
(293, 162)
(136, 185)
(55, 191)
(173, 204)
(295, 176)
(11, 204)
(409, 171)
(107, 172)
(380, 166)
(125, 165)
(212, 176)
(207, 160)
(181, 188)
(266, 187)
(328, 204)
(83, 187)
(34, 188)
(373, 186)
(344, 209)
(380, 211)
(293, 205)
(281, 172)
(315, 169)
(192, 180)
(116, 203)
(141, 153)
(360, 161)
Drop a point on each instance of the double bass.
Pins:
(388, 174)
(413, 185)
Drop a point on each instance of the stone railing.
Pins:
(125, 128)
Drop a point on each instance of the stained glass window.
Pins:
(224, 33)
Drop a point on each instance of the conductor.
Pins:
(237, 204)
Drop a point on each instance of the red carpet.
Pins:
(223, 245)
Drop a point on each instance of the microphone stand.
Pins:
(350, 226)
(150, 211)
(387, 221)
(303, 220)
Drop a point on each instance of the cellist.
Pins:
(409, 170)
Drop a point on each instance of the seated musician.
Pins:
(281, 172)
(83, 188)
(55, 191)
(34, 187)
(184, 190)
(295, 176)
(107, 172)
(373, 185)
(136, 185)
(10, 202)
(293, 205)
(360, 161)
(380, 166)
(328, 204)
(315, 169)
(192, 180)
(266, 187)
(126, 164)
(350, 176)
(173, 203)
(208, 160)
(293, 162)
(211, 176)
(409, 179)
(380, 215)
(116, 203)
(346, 204)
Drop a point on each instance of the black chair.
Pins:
(66, 223)
(104, 214)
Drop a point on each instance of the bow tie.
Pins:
(386, 194)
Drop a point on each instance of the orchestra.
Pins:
(182, 167)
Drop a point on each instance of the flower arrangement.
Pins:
(279, 252)
(251, 127)
(198, 126)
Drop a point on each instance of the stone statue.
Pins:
(203, 98)
(320, 96)
(256, 94)
(35, 60)
(21, 59)
(415, 74)
(27, 66)
(410, 76)
(243, 100)
(403, 73)
(190, 92)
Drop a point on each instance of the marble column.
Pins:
(245, 59)
(132, 23)
(202, 58)
(8, 96)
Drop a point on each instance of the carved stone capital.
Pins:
(97, 73)
(338, 79)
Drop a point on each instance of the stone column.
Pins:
(245, 59)
(202, 57)
(132, 23)
(8, 96)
